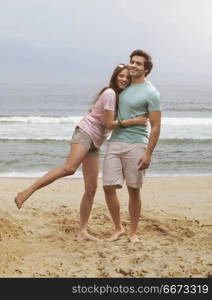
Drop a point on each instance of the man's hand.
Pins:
(155, 119)
(144, 162)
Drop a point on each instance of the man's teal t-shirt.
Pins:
(135, 100)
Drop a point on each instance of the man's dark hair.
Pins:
(148, 63)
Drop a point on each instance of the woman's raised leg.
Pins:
(76, 155)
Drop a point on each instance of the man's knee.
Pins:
(135, 192)
(110, 189)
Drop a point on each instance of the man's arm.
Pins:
(155, 122)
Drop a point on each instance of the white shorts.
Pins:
(121, 163)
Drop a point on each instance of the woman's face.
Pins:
(123, 79)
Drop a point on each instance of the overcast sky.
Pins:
(69, 41)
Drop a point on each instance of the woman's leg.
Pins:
(90, 169)
(74, 159)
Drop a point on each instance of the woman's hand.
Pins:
(141, 120)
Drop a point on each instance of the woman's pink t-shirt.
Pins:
(93, 123)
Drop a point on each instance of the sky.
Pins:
(81, 41)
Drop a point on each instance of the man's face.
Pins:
(136, 66)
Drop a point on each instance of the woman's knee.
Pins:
(69, 169)
(91, 190)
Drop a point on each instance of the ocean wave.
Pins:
(187, 121)
(67, 139)
(79, 174)
(185, 140)
(187, 109)
(29, 174)
(177, 174)
(40, 120)
(61, 128)
(75, 119)
(28, 139)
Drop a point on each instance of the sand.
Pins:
(40, 239)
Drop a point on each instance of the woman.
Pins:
(87, 138)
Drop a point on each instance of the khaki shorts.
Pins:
(121, 163)
(81, 137)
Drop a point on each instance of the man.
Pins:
(130, 148)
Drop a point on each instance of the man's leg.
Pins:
(113, 179)
(134, 212)
(90, 173)
(134, 181)
(114, 208)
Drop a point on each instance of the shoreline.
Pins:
(183, 194)
(100, 177)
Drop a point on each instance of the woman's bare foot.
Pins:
(21, 198)
(116, 235)
(133, 238)
(85, 236)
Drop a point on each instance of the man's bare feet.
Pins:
(116, 235)
(133, 238)
(21, 198)
(85, 236)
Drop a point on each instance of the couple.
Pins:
(123, 107)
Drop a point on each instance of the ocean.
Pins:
(37, 122)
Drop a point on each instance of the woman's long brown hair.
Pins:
(113, 85)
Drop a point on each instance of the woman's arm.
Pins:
(110, 123)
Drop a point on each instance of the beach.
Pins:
(40, 239)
